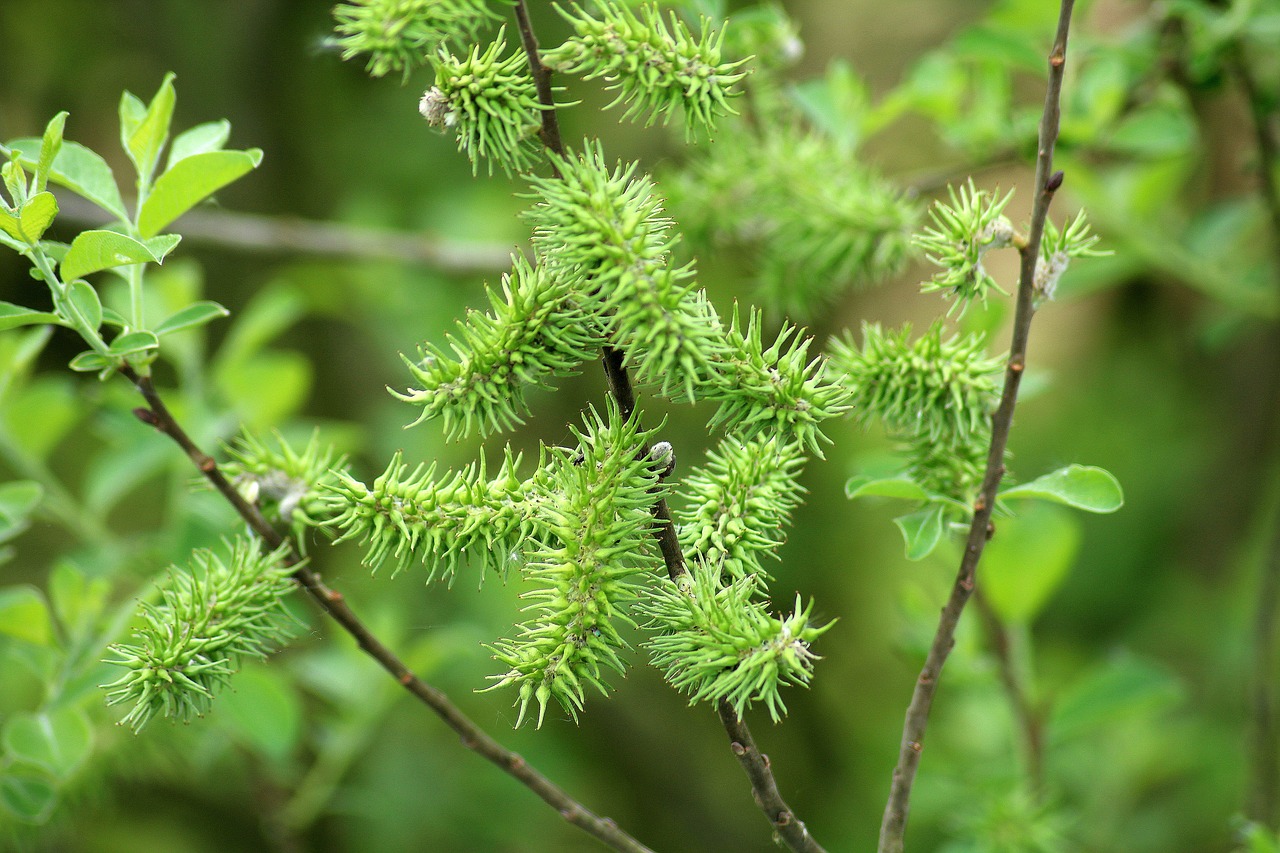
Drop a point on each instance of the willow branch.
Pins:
(893, 826)
(787, 826)
(291, 236)
(157, 414)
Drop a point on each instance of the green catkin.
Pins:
(596, 548)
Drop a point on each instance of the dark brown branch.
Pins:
(893, 826)
(157, 414)
(1029, 715)
(764, 789)
(278, 235)
(550, 131)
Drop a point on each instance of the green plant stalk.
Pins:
(63, 305)
(157, 415)
(893, 825)
(789, 828)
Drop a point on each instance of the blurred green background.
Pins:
(1159, 364)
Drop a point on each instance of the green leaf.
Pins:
(50, 145)
(1080, 486)
(1027, 560)
(133, 342)
(921, 531)
(210, 136)
(147, 135)
(161, 246)
(191, 181)
(28, 796)
(24, 615)
(85, 300)
(263, 711)
(1125, 687)
(90, 361)
(12, 316)
(57, 741)
(92, 251)
(19, 499)
(194, 315)
(77, 601)
(901, 486)
(32, 218)
(79, 170)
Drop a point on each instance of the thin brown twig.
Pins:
(893, 826)
(157, 415)
(789, 828)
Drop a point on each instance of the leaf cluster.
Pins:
(207, 621)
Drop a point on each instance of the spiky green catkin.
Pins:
(813, 219)
(657, 69)
(408, 515)
(604, 230)
(399, 35)
(934, 394)
(285, 484)
(207, 621)
(719, 642)
(778, 390)
(596, 515)
(930, 387)
(535, 331)
(962, 231)
(737, 505)
(490, 103)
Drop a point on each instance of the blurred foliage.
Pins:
(1160, 362)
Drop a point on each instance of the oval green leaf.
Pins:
(886, 487)
(210, 136)
(1080, 486)
(921, 531)
(89, 361)
(147, 136)
(12, 316)
(189, 182)
(1028, 559)
(32, 219)
(194, 315)
(58, 742)
(19, 498)
(24, 615)
(27, 796)
(92, 251)
(86, 301)
(133, 342)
